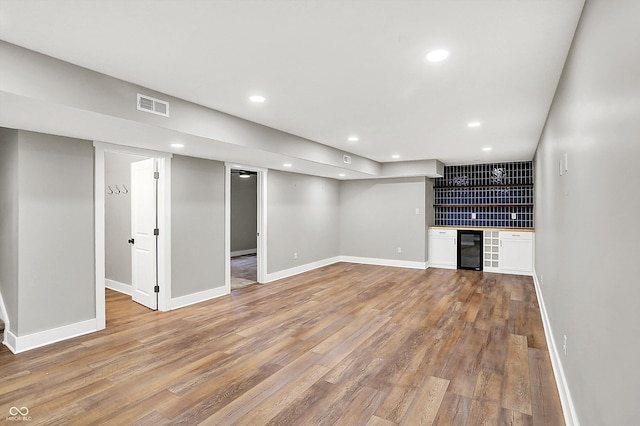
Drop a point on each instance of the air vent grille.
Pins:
(153, 105)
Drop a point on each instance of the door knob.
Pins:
(131, 240)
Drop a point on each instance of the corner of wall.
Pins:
(568, 408)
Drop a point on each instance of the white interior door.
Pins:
(143, 224)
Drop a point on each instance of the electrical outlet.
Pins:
(514, 216)
(417, 211)
(564, 346)
(473, 215)
(399, 249)
(295, 256)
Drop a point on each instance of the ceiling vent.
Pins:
(153, 105)
(346, 159)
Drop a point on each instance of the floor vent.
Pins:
(153, 105)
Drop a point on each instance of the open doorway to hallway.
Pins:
(244, 228)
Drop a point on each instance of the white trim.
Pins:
(227, 227)
(384, 262)
(244, 252)
(302, 268)
(164, 239)
(569, 410)
(19, 344)
(118, 286)
(440, 266)
(190, 299)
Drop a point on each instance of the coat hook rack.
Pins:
(117, 189)
(126, 191)
(110, 190)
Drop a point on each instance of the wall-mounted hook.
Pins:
(118, 190)
(110, 190)
(126, 191)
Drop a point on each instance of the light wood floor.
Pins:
(244, 271)
(345, 344)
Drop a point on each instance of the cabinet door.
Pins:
(442, 252)
(516, 255)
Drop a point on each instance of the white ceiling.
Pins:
(331, 69)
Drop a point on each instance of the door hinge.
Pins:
(156, 231)
(156, 175)
(157, 289)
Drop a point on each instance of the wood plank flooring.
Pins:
(244, 271)
(345, 344)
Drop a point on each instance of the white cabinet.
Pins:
(443, 248)
(516, 252)
(491, 251)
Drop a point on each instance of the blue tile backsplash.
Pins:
(493, 192)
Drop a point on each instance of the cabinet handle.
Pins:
(515, 235)
(442, 232)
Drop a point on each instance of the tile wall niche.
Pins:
(492, 191)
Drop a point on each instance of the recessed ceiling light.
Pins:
(257, 98)
(342, 175)
(395, 156)
(474, 124)
(287, 164)
(177, 145)
(353, 139)
(487, 149)
(437, 55)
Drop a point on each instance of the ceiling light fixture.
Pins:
(353, 139)
(257, 98)
(177, 145)
(437, 55)
(395, 156)
(474, 124)
(245, 175)
(342, 175)
(287, 164)
(487, 149)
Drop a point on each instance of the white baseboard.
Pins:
(243, 252)
(439, 266)
(118, 286)
(201, 296)
(27, 342)
(569, 410)
(301, 269)
(384, 262)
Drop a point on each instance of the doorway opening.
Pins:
(246, 227)
(132, 236)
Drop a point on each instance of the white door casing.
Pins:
(143, 224)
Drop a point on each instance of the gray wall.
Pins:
(378, 216)
(197, 225)
(9, 224)
(117, 208)
(587, 238)
(56, 244)
(303, 218)
(244, 212)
